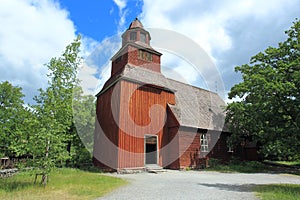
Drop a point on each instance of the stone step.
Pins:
(153, 168)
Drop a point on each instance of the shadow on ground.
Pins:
(230, 187)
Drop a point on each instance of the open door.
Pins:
(150, 149)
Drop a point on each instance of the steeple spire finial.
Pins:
(136, 24)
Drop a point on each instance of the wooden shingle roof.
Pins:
(196, 107)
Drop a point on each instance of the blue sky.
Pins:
(99, 19)
(230, 32)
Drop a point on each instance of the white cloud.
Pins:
(32, 32)
(206, 22)
(97, 65)
(87, 78)
(229, 31)
(122, 13)
(120, 3)
(88, 46)
(178, 69)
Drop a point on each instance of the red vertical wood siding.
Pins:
(131, 140)
(220, 150)
(128, 149)
(170, 142)
(133, 58)
(118, 64)
(189, 148)
(106, 129)
(130, 55)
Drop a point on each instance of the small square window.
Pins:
(140, 54)
(149, 57)
(118, 59)
(230, 148)
(133, 36)
(143, 55)
(143, 37)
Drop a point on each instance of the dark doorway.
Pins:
(151, 149)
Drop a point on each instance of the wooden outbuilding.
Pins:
(144, 118)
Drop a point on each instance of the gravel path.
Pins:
(195, 185)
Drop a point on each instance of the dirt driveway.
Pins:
(195, 185)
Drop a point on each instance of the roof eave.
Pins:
(137, 46)
(134, 81)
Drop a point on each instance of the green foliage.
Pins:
(46, 131)
(63, 184)
(13, 121)
(84, 112)
(270, 105)
(237, 166)
(57, 99)
(213, 162)
(54, 133)
(278, 192)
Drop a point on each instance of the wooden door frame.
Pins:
(150, 135)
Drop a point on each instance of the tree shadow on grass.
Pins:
(283, 170)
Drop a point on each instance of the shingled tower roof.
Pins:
(136, 24)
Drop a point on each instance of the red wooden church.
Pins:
(145, 118)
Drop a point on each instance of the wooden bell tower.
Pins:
(136, 50)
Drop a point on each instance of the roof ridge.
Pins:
(169, 79)
(192, 86)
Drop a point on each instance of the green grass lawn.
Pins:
(63, 184)
(278, 192)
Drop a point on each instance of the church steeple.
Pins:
(136, 50)
(136, 33)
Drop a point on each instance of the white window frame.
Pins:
(204, 143)
(133, 36)
(230, 149)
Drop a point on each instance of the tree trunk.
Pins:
(45, 175)
(44, 179)
(69, 151)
